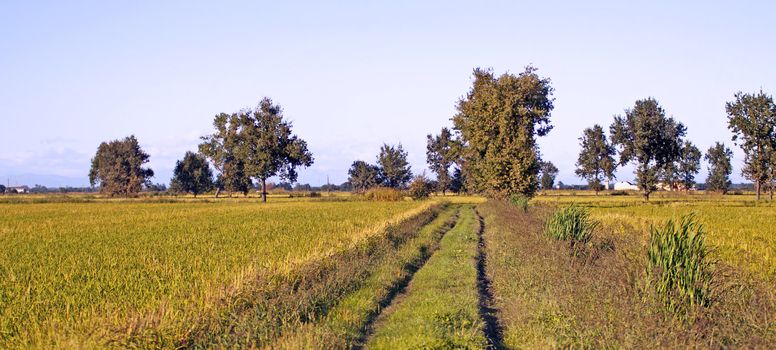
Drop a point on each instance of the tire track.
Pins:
(488, 312)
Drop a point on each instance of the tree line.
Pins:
(490, 149)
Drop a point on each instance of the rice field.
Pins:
(76, 274)
(741, 230)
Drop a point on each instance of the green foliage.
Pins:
(649, 139)
(498, 121)
(596, 158)
(572, 224)
(520, 201)
(678, 265)
(394, 169)
(221, 148)
(689, 164)
(267, 146)
(384, 194)
(363, 176)
(420, 187)
(118, 167)
(192, 174)
(752, 119)
(441, 152)
(548, 174)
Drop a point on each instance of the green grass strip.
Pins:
(344, 326)
(441, 306)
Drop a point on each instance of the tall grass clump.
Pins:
(573, 224)
(679, 267)
(520, 201)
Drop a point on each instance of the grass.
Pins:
(440, 307)
(81, 274)
(740, 229)
(347, 323)
(679, 266)
(547, 298)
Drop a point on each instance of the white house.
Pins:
(625, 186)
(17, 189)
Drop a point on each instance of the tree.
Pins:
(363, 176)
(2, 189)
(420, 187)
(192, 174)
(118, 167)
(549, 173)
(458, 181)
(720, 169)
(752, 119)
(441, 153)
(596, 158)
(267, 146)
(221, 149)
(649, 139)
(394, 169)
(498, 122)
(688, 165)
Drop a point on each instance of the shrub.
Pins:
(420, 188)
(571, 224)
(383, 194)
(678, 266)
(520, 201)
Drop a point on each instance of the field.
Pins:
(338, 272)
(70, 271)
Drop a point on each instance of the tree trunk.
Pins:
(218, 191)
(757, 188)
(264, 190)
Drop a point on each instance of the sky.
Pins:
(352, 75)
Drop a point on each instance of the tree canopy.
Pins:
(720, 168)
(752, 119)
(646, 137)
(395, 170)
(596, 158)
(688, 165)
(192, 174)
(548, 174)
(498, 121)
(441, 153)
(363, 176)
(221, 148)
(118, 167)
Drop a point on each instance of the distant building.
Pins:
(17, 189)
(625, 186)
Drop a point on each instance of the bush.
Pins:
(571, 224)
(520, 201)
(383, 194)
(420, 188)
(678, 266)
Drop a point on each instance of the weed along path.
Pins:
(441, 306)
(346, 324)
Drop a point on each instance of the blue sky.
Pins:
(352, 75)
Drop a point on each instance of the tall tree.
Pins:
(192, 174)
(688, 165)
(752, 119)
(268, 147)
(441, 153)
(498, 122)
(118, 167)
(221, 149)
(549, 172)
(596, 158)
(395, 171)
(649, 139)
(720, 168)
(363, 176)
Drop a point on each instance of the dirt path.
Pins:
(488, 313)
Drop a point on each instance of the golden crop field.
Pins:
(75, 273)
(740, 229)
